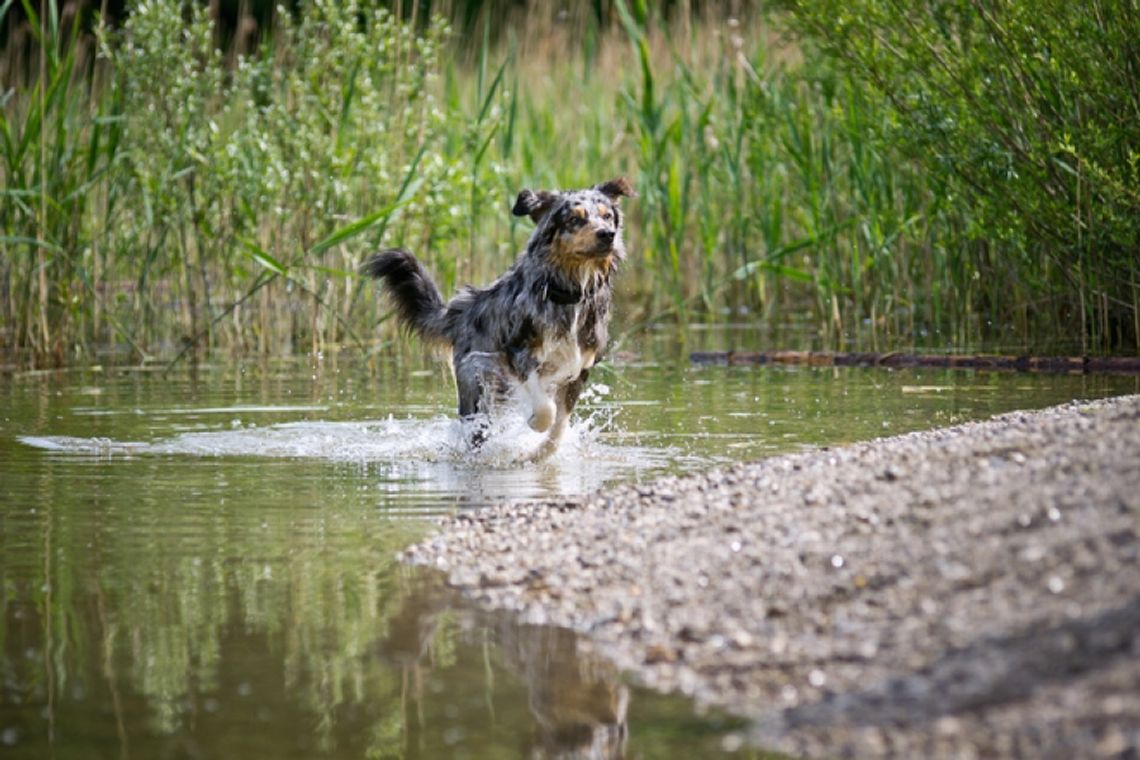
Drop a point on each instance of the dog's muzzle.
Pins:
(605, 242)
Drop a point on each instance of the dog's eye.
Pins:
(575, 219)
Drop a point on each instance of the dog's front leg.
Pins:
(542, 408)
(567, 399)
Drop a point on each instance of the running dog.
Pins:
(538, 329)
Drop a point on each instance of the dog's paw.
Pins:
(542, 417)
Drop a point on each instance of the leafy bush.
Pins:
(1028, 111)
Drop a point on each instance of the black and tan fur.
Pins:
(540, 327)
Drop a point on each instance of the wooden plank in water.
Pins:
(1119, 365)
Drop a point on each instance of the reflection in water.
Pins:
(577, 701)
(385, 663)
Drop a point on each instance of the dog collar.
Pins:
(563, 295)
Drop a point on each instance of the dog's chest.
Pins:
(564, 354)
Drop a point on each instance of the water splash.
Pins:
(413, 453)
(436, 439)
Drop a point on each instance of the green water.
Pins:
(202, 566)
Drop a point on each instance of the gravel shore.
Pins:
(966, 592)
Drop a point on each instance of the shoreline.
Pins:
(964, 591)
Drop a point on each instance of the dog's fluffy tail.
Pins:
(419, 305)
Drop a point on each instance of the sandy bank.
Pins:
(971, 591)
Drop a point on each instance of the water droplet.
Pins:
(732, 742)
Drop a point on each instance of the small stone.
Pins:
(659, 653)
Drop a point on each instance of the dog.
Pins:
(537, 330)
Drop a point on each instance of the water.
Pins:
(203, 565)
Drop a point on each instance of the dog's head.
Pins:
(578, 230)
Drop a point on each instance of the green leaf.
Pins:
(790, 273)
(491, 93)
(34, 242)
(770, 263)
(486, 143)
(333, 271)
(261, 256)
(631, 26)
(408, 189)
(360, 225)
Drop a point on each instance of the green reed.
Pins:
(167, 196)
(1028, 113)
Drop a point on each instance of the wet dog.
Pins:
(537, 330)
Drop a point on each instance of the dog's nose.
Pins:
(606, 236)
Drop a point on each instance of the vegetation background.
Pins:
(178, 176)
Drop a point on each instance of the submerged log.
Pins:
(1120, 365)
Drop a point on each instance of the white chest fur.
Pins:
(559, 362)
(563, 359)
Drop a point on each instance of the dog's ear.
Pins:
(616, 188)
(535, 205)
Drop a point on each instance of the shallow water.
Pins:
(203, 565)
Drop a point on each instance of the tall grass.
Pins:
(169, 196)
(50, 180)
(191, 202)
